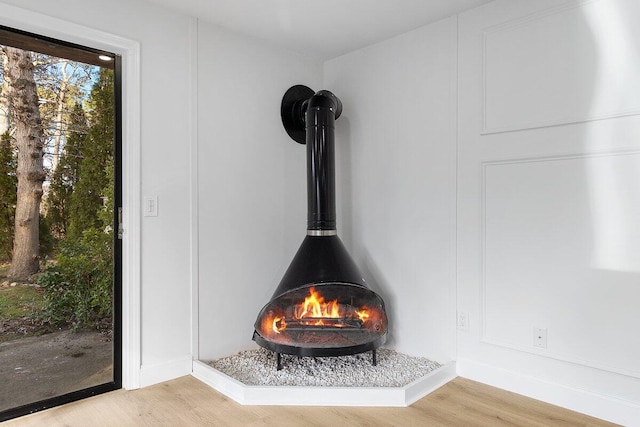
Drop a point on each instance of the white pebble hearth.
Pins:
(251, 378)
(257, 367)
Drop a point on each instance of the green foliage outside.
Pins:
(20, 301)
(47, 242)
(18, 304)
(8, 183)
(88, 195)
(76, 231)
(79, 284)
(65, 177)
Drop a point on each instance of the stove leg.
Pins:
(278, 361)
(374, 360)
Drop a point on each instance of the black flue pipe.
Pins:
(309, 118)
(321, 111)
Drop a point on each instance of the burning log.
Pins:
(323, 323)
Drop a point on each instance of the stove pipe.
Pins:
(322, 110)
(309, 118)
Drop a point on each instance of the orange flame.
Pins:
(362, 314)
(315, 306)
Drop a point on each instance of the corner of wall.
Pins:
(165, 371)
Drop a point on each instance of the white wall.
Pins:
(165, 130)
(396, 180)
(549, 201)
(251, 179)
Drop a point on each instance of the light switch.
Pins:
(151, 206)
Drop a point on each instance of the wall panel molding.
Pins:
(558, 67)
(485, 336)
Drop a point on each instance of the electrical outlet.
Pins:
(463, 321)
(540, 337)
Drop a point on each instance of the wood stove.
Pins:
(322, 306)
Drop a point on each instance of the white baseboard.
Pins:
(324, 396)
(596, 405)
(165, 371)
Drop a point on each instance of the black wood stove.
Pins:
(322, 306)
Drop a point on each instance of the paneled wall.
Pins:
(577, 59)
(549, 199)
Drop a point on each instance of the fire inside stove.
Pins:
(323, 317)
(314, 313)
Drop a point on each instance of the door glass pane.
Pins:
(57, 198)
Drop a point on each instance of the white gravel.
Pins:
(258, 367)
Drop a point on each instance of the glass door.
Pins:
(60, 194)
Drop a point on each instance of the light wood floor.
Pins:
(188, 402)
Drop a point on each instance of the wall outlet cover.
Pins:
(540, 337)
(463, 321)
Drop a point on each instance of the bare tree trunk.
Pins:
(30, 173)
(58, 122)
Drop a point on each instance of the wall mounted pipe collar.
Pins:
(295, 103)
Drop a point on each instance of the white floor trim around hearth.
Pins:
(324, 396)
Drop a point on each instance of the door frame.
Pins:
(129, 52)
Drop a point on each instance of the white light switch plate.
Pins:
(150, 206)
